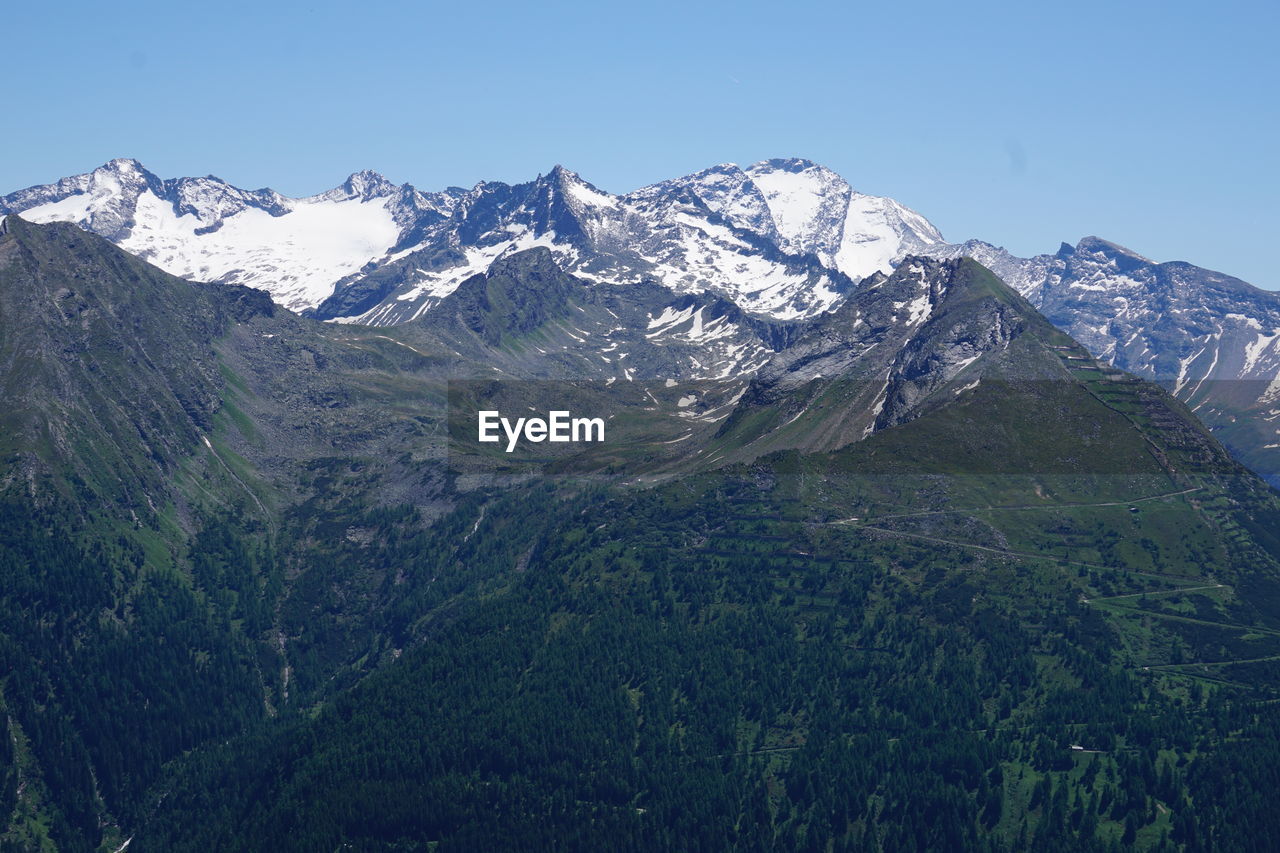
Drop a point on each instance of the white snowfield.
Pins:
(297, 256)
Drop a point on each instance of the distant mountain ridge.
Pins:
(782, 238)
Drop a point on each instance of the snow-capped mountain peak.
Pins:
(364, 185)
(725, 190)
(206, 229)
(99, 201)
(211, 200)
(580, 194)
(122, 166)
(815, 210)
(781, 238)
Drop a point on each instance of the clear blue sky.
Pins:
(1153, 124)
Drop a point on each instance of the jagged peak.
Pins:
(572, 186)
(712, 177)
(784, 164)
(122, 173)
(200, 182)
(367, 182)
(364, 185)
(123, 165)
(1097, 244)
(561, 177)
(719, 174)
(975, 244)
(719, 169)
(567, 177)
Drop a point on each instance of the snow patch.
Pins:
(297, 257)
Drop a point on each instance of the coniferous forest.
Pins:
(663, 670)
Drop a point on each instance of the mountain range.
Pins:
(726, 260)
(781, 238)
(902, 567)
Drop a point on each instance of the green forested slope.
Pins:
(836, 651)
(701, 667)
